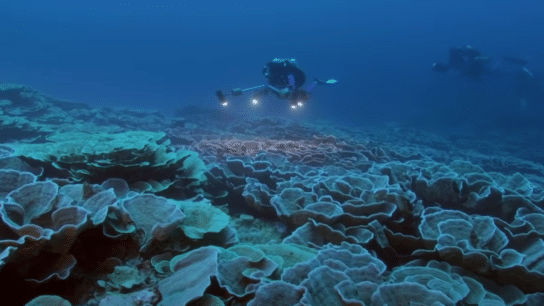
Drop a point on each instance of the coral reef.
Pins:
(199, 210)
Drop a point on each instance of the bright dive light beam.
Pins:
(225, 103)
(255, 101)
(299, 104)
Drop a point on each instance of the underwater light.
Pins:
(225, 103)
(255, 101)
(293, 106)
(299, 104)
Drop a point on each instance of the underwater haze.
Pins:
(163, 55)
(287, 153)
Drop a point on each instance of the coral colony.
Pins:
(119, 207)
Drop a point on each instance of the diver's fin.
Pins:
(320, 82)
(526, 73)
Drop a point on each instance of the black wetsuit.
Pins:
(278, 74)
(469, 61)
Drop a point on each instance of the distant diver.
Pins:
(466, 59)
(471, 63)
(285, 80)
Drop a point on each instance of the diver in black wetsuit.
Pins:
(471, 62)
(285, 80)
(283, 73)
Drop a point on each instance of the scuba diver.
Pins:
(466, 59)
(509, 72)
(285, 81)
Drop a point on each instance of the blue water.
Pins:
(163, 55)
(483, 156)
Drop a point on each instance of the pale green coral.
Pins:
(202, 218)
(141, 157)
